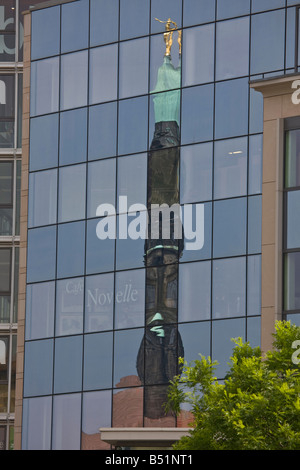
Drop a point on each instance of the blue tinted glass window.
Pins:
(73, 136)
(159, 64)
(164, 10)
(197, 114)
(254, 331)
(194, 291)
(102, 140)
(198, 11)
(130, 251)
(229, 287)
(134, 18)
(254, 285)
(100, 254)
(44, 87)
(98, 349)
(196, 339)
(101, 184)
(68, 364)
(261, 5)
(291, 277)
(133, 67)
(267, 42)
(74, 26)
(254, 224)
(231, 119)
(66, 428)
(96, 413)
(132, 179)
(293, 223)
(230, 172)
(43, 142)
(104, 21)
(42, 198)
(103, 74)
(231, 8)
(197, 231)
(74, 81)
(71, 239)
(69, 306)
(255, 164)
(198, 55)
(230, 217)
(40, 297)
(45, 32)
(71, 196)
(222, 346)
(41, 254)
(99, 302)
(36, 423)
(133, 125)
(290, 37)
(126, 347)
(38, 368)
(196, 173)
(232, 48)
(256, 112)
(130, 299)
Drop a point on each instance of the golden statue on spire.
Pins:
(168, 35)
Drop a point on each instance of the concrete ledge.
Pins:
(146, 437)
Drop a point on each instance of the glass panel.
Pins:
(255, 164)
(164, 10)
(293, 223)
(291, 281)
(96, 414)
(256, 112)
(292, 158)
(100, 254)
(133, 125)
(42, 198)
(104, 21)
(99, 302)
(41, 258)
(6, 183)
(197, 114)
(230, 172)
(71, 240)
(254, 224)
(222, 346)
(2, 437)
(7, 96)
(97, 361)
(16, 285)
(74, 26)
(267, 42)
(36, 426)
(103, 74)
(196, 173)
(126, 348)
(45, 32)
(5, 271)
(18, 196)
(294, 318)
(165, 72)
(68, 364)
(134, 19)
(74, 80)
(7, 134)
(231, 8)
(20, 110)
(7, 15)
(69, 306)
(66, 422)
(198, 42)
(6, 221)
(102, 131)
(232, 48)
(130, 250)
(198, 11)
(40, 310)
(132, 179)
(194, 291)
(130, 299)
(196, 340)
(44, 89)
(229, 214)
(253, 331)
(261, 5)
(71, 196)
(101, 185)
(254, 285)
(197, 226)
(133, 67)
(38, 368)
(73, 136)
(43, 142)
(231, 119)
(133, 415)
(229, 288)
(155, 398)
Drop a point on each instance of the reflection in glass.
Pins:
(230, 168)
(99, 302)
(197, 114)
(133, 67)
(293, 224)
(44, 88)
(196, 173)
(132, 177)
(157, 51)
(255, 164)
(254, 285)
(194, 291)
(104, 21)
(68, 364)
(261, 5)
(97, 361)
(194, 228)
(222, 346)
(132, 415)
(45, 32)
(227, 9)
(254, 224)
(100, 254)
(5, 260)
(74, 80)
(291, 281)
(103, 74)
(133, 131)
(42, 203)
(43, 142)
(36, 425)
(101, 184)
(254, 331)
(69, 306)
(71, 241)
(229, 287)
(232, 48)
(74, 26)
(134, 18)
(292, 158)
(38, 368)
(102, 140)
(196, 339)
(130, 299)
(198, 43)
(96, 414)
(66, 422)
(256, 112)
(40, 298)
(71, 195)
(7, 90)
(198, 11)
(41, 246)
(73, 136)
(126, 345)
(7, 133)
(163, 11)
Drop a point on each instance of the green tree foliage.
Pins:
(256, 407)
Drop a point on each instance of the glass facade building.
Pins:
(135, 103)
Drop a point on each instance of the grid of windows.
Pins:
(93, 121)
